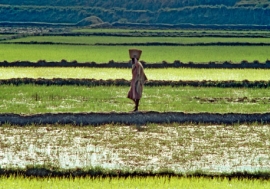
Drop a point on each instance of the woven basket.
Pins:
(135, 53)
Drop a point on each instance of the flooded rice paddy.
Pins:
(182, 148)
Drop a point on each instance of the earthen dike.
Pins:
(132, 118)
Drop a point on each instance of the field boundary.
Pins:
(98, 172)
(132, 118)
(145, 44)
(113, 64)
(123, 82)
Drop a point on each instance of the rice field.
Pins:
(181, 148)
(169, 74)
(92, 40)
(32, 99)
(151, 54)
(147, 183)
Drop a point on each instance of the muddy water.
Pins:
(213, 148)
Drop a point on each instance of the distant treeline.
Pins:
(139, 4)
(124, 11)
(139, 33)
(127, 4)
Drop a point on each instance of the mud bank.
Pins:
(164, 64)
(103, 173)
(131, 118)
(123, 82)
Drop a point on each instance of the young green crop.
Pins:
(171, 74)
(151, 54)
(92, 40)
(146, 183)
(31, 99)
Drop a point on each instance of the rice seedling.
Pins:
(92, 40)
(169, 74)
(137, 182)
(182, 148)
(103, 54)
(32, 99)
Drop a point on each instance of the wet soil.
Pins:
(163, 148)
(232, 100)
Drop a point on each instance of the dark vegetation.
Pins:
(139, 5)
(123, 82)
(98, 172)
(130, 118)
(95, 12)
(148, 44)
(164, 64)
(199, 32)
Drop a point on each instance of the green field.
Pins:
(151, 54)
(178, 147)
(146, 183)
(4, 36)
(91, 40)
(31, 99)
(170, 74)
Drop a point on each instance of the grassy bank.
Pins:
(147, 183)
(169, 74)
(151, 54)
(30, 99)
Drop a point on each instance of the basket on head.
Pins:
(135, 53)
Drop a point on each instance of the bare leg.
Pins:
(136, 104)
(134, 100)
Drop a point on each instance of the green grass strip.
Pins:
(32, 99)
(103, 54)
(112, 39)
(147, 183)
(169, 74)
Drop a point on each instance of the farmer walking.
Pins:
(138, 78)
